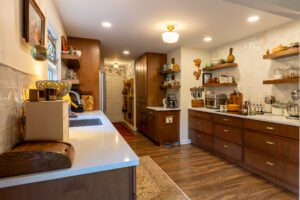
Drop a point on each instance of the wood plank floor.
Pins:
(201, 175)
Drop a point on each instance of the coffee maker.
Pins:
(172, 101)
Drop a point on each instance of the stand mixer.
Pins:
(293, 108)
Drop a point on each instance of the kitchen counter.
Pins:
(163, 109)
(265, 117)
(97, 148)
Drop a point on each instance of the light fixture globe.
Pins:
(170, 36)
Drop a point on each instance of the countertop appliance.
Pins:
(214, 101)
(172, 101)
(293, 107)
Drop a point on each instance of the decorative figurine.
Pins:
(230, 58)
(197, 73)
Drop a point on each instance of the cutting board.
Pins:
(33, 157)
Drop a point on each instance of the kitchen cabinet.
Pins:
(148, 80)
(270, 150)
(163, 126)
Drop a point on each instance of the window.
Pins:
(52, 56)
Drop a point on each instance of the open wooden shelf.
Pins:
(71, 61)
(220, 66)
(170, 71)
(219, 84)
(282, 54)
(170, 87)
(282, 81)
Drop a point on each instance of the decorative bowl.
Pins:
(62, 87)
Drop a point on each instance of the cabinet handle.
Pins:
(270, 143)
(225, 120)
(225, 146)
(226, 131)
(270, 163)
(270, 128)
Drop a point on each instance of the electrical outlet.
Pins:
(169, 120)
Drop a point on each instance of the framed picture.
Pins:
(205, 77)
(33, 23)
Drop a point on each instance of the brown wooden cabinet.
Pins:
(148, 92)
(268, 149)
(160, 130)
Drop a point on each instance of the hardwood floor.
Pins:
(202, 175)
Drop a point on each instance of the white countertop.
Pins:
(97, 148)
(157, 108)
(266, 117)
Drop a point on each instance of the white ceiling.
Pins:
(138, 24)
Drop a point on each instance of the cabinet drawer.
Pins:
(277, 146)
(228, 133)
(233, 121)
(272, 128)
(228, 149)
(202, 115)
(201, 139)
(202, 125)
(280, 169)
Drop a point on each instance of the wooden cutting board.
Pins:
(32, 157)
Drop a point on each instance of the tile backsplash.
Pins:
(14, 87)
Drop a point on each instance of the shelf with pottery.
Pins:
(71, 61)
(220, 66)
(282, 81)
(169, 71)
(219, 84)
(174, 87)
(282, 54)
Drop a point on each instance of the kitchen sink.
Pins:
(85, 122)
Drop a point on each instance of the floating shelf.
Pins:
(71, 61)
(219, 84)
(220, 66)
(282, 54)
(170, 87)
(282, 81)
(170, 71)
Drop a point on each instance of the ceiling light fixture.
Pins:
(170, 36)
(116, 65)
(252, 19)
(126, 52)
(207, 39)
(106, 24)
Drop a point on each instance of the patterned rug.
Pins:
(153, 183)
(123, 130)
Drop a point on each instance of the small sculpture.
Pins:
(197, 73)
(230, 58)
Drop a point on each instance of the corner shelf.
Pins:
(282, 54)
(219, 85)
(282, 81)
(170, 87)
(220, 66)
(169, 71)
(71, 61)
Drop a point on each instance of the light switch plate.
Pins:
(169, 120)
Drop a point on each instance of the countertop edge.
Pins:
(162, 108)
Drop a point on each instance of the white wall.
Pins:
(14, 52)
(252, 69)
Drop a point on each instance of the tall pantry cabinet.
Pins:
(148, 92)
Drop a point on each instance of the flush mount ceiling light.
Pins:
(253, 18)
(106, 24)
(170, 36)
(207, 39)
(126, 52)
(116, 65)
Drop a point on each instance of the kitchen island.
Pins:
(103, 168)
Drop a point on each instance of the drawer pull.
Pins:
(270, 143)
(270, 163)
(225, 146)
(270, 128)
(225, 120)
(226, 131)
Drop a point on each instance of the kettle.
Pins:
(172, 101)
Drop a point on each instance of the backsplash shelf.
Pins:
(282, 54)
(219, 84)
(282, 81)
(71, 61)
(169, 71)
(220, 66)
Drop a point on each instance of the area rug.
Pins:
(123, 130)
(153, 183)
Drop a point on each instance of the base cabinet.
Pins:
(268, 149)
(109, 185)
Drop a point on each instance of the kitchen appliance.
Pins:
(269, 100)
(172, 101)
(214, 101)
(278, 109)
(293, 107)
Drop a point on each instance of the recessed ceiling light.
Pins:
(207, 39)
(106, 24)
(126, 52)
(252, 19)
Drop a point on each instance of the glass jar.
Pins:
(278, 74)
(292, 72)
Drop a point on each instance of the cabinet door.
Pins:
(152, 127)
